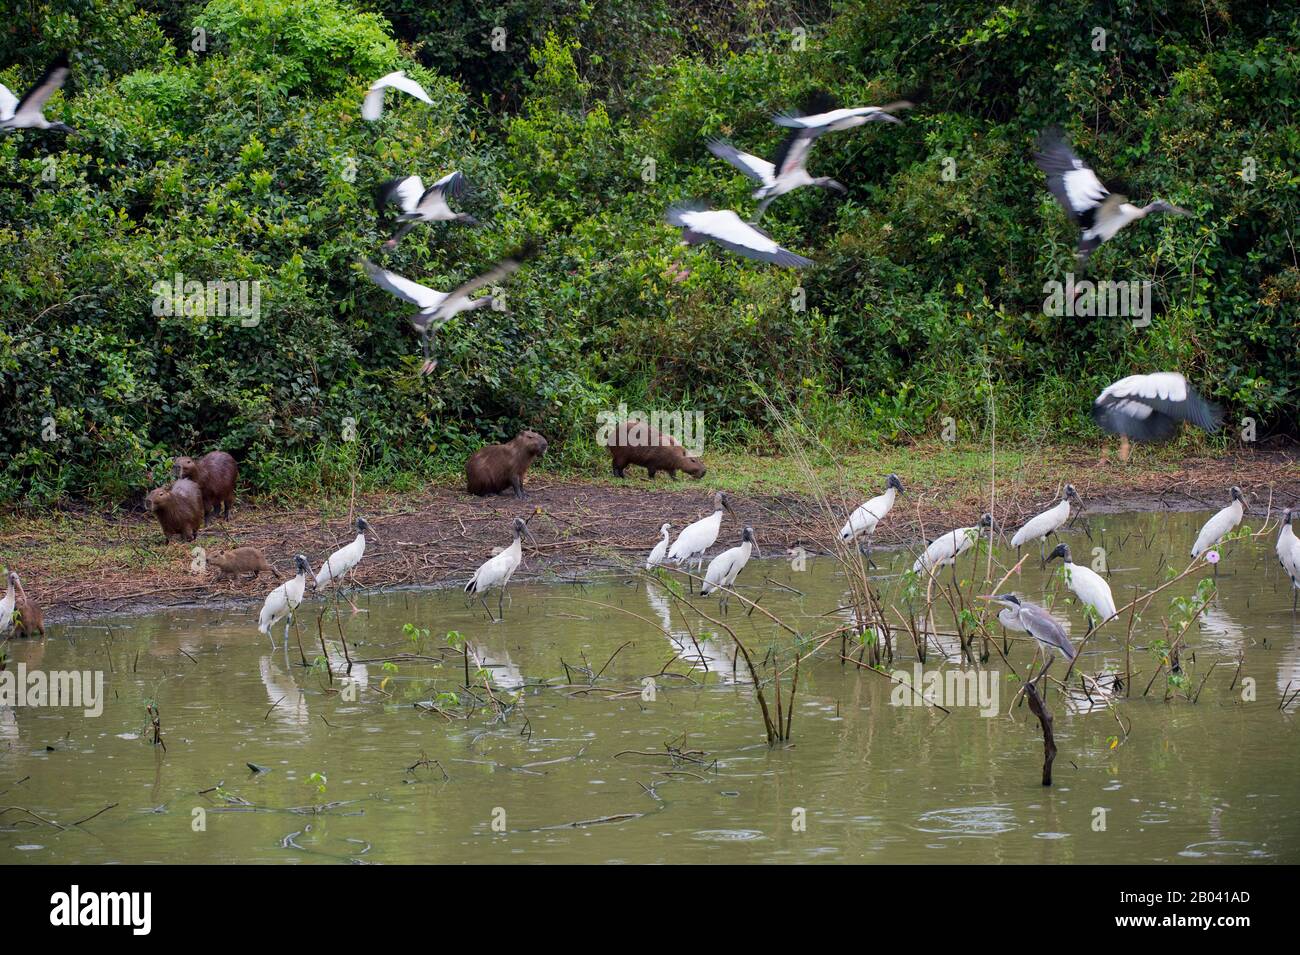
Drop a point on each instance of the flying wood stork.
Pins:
(698, 537)
(343, 561)
(1288, 554)
(1099, 213)
(437, 308)
(726, 567)
(28, 113)
(1049, 522)
(1039, 624)
(660, 549)
(372, 107)
(862, 522)
(784, 174)
(822, 114)
(497, 571)
(1149, 408)
(701, 224)
(283, 601)
(946, 548)
(1220, 524)
(1088, 585)
(421, 205)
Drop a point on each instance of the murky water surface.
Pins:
(370, 770)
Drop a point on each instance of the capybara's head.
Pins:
(693, 466)
(183, 467)
(156, 498)
(532, 442)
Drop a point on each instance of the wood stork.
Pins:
(822, 114)
(1099, 213)
(372, 107)
(862, 522)
(701, 224)
(660, 549)
(7, 604)
(1048, 522)
(946, 548)
(1149, 408)
(785, 173)
(1288, 554)
(497, 571)
(438, 308)
(1039, 624)
(699, 536)
(421, 205)
(1088, 585)
(28, 113)
(283, 601)
(343, 561)
(726, 567)
(1220, 524)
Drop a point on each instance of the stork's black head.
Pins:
(986, 520)
(521, 526)
(721, 501)
(1062, 551)
(300, 562)
(747, 535)
(895, 483)
(1237, 495)
(1071, 494)
(362, 525)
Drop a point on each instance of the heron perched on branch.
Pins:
(1098, 212)
(1039, 624)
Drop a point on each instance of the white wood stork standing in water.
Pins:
(822, 114)
(372, 107)
(421, 205)
(701, 224)
(283, 601)
(863, 521)
(698, 537)
(1099, 213)
(946, 548)
(1088, 585)
(726, 567)
(7, 604)
(497, 571)
(1288, 555)
(1049, 522)
(29, 112)
(660, 551)
(438, 308)
(343, 561)
(785, 173)
(1149, 408)
(1039, 624)
(1220, 524)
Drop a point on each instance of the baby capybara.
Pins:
(215, 473)
(493, 469)
(241, 560)
(636, 442)
(179, 509)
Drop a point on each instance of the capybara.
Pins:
(28, 619)
(241, 560)
(636, 442)
(493, 469)
(215, 473)
(179, 509)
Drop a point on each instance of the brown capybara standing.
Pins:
(215, 473)
(636, 442)
(493, 469)
(28, 619)
(241, 560)
(179, 509)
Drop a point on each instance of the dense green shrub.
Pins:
(248, 161)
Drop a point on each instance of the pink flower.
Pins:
(1212, 556)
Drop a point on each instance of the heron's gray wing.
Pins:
(1044, 628)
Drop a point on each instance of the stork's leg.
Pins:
(1123, 448)
(501, 596)
(762, 207)
(397, 236)
(487, 608)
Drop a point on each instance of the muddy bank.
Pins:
(84, 563)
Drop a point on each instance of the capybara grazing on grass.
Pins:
(636, 442)
(215, 473)
(241, 560)
(493, 469)
(179, 509)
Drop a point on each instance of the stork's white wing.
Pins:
(404, 288)
(825, 120)
(8, 103)
(1162, 385)
(757, 169)
(728, 230)
(407, 192)
(373, 105)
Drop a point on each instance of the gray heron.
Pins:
(1039, 624)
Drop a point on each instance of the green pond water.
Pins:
(354, 772)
